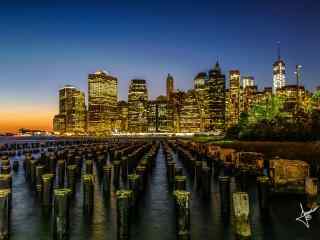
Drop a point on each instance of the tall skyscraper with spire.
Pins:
(279, 73)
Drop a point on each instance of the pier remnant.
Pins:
(241, 214)
(123, 213)
(182, 203)
(61, 213)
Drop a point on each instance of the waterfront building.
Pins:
(59, 124)
(160, 115)
(177, 103)
(228, 109)
(279, 73)
(170, 86)
(201, 94)
(103, 98)
(72, 111)
(295, 99)
(248, 81)
(190, 120)
(249, 97)
(217, 99)
(122, 119)
(234, 97)
(137, 106)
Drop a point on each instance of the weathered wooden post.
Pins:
(6, 184)
(47, 189)
(198, 168)
(5, 181)
(89, 166)
(116, 173)
(142, 172)
(180, 183)
(182, 202)
(107, 176)
(61, 213)
(134, 180)
(5, 169)
(124, 168)
(123, 213)
(40, 169)
(71, 177)
(61, 165)
(263, 191)
(88, 193)
(4, 213)
(241, 213)
(311, 188)
(205, 181)
(224, 187)
(52, 164)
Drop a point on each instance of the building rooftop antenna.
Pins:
(278, 49)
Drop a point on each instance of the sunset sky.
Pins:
(47, 44)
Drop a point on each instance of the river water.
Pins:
(154, 217)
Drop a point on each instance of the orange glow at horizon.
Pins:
(14, 118)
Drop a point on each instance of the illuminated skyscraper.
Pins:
(137, 109)
(190, 119)
(103, 98)
(247, 81)
(201, 94)
(249, 97)
(72, 111)
(279, 73)
(160, 115)
(234, 97)
(170, 86)
(217, 98)
(122, 118)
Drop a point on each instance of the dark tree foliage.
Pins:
(270, 122)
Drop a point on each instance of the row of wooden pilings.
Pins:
(128, 198)
(177, 183)
(5, 195)
(54, 175)
(200, 171)
(35, 147)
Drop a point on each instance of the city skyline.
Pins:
(56, 52)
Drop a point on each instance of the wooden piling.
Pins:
(241, 213)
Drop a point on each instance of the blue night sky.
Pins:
(47, 44)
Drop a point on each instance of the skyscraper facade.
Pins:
(72, 111)
(217, 98)
(122, 118)
(248, 81)
(137, 110)
(234, 97)
(190, 119)
(170, 86)
(279, 73)
(201, 95)
(160, 115)
(103, 98)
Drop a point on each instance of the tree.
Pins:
(268, 109)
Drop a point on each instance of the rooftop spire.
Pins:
(278, 49)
